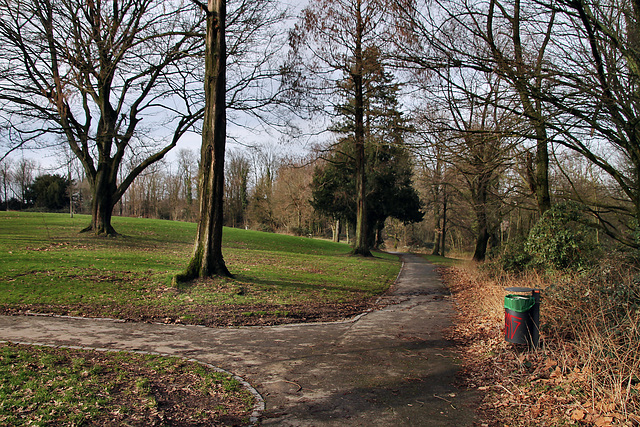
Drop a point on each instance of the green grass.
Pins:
(44, 260)
(49, 386)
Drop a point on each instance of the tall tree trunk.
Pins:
(437, 220)
(336, 231)
(543, 196)
(443, 234)
(437, 237)
(103, 188)
(361, 246)
(207, 257)
(538, 168)
(479, 198)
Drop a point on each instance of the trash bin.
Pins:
(522, 317)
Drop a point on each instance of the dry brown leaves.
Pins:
(547, 387)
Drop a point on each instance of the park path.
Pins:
(388, 367)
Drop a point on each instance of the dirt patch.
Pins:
(207, 315)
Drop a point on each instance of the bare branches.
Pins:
(571, 73)
(92, 71)
(204, 7)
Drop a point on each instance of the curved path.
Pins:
(388, 367)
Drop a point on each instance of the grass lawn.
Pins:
(46, 265)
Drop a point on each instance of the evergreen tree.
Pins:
(49, 192)
(389, 190)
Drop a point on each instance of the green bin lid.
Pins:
(519, 303)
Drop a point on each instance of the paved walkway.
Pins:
(389, 367)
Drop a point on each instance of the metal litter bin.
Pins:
(522, 317)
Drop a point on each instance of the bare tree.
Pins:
(5, 174)
(237, 170)
(335, 36)
(508, 39)
(481, 153)
(188, 172)
(100, 74)
(207, 257)
(121, 79)
(594, 78)
(291, 194)
(574, 66)
(521, 64)
(469, 141)
(23, 176)
(266, 162)
(433, 180)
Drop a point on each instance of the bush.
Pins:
(612, 284)
(514, 257)
(561, 239)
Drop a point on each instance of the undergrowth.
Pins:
(588, 369)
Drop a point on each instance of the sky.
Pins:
(52, 160)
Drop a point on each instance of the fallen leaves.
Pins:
(550, 387)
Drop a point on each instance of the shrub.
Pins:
(561, 239)
(514, 257)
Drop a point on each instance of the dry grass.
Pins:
(588, 371)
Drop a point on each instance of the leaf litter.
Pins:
(548, 387)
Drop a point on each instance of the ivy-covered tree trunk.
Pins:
(543, 195)
(207, 257)
(538, 167)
